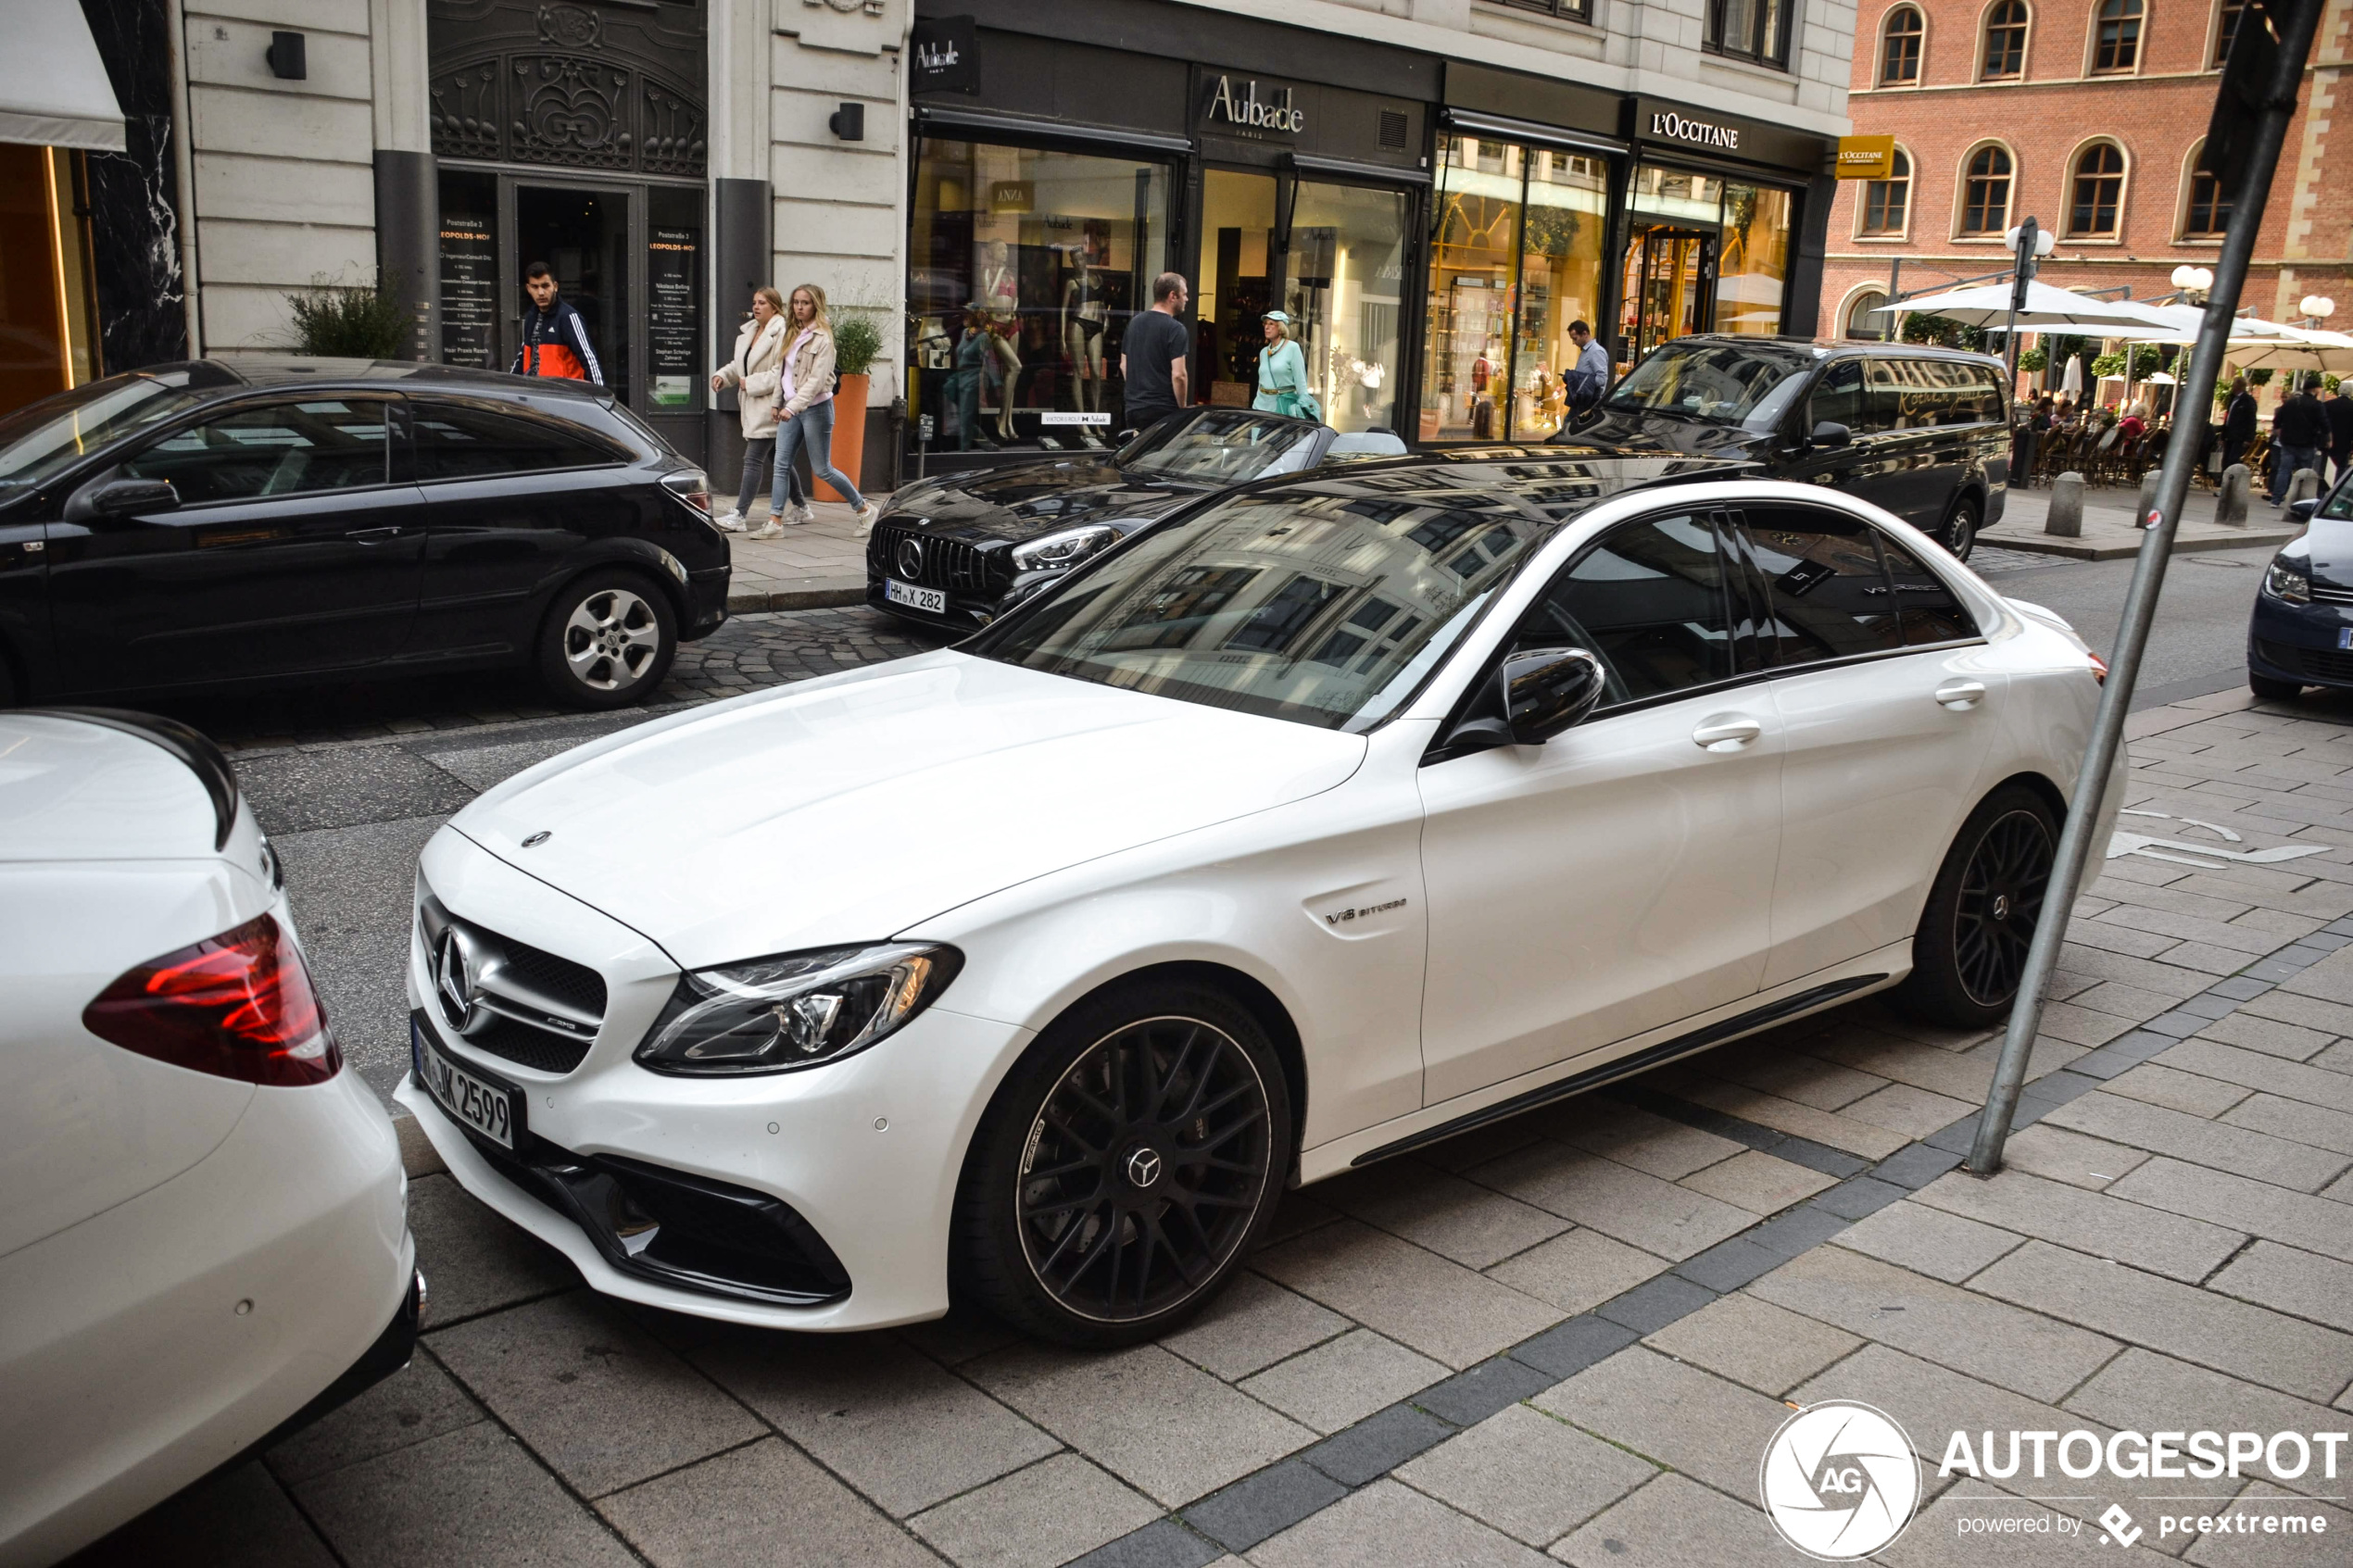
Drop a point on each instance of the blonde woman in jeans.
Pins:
(756, 371)
(805, 410)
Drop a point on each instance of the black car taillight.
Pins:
(690, 487)
(239, 1005)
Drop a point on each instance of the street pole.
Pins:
(2025, 238)
(2263, 78)
(1894, 293)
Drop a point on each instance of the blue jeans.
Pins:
(815, 425)
(2291, 459)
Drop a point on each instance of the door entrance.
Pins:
(583, 234)
(1670, 287)
(1239, 276)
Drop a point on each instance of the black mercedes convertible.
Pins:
(954, 550)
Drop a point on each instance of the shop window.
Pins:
(1985, 193)
(1887, 203)
(2208, 211)
(2116, 37)
(1566, 212)
(1023, 268)
(1754, 270)
(47, 288)
(2099, 192)
(1749, 30)
(1473, 269)
(2005, 41)
(1899, 60)
(1344, 290)
(1861, 324)
(2226, 28)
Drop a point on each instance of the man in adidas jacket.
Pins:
(555, 340)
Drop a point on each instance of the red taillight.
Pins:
(2099, 668)
(239, 1005)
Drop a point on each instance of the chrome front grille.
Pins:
(937, 562)
(2329, 595)
(507, 997)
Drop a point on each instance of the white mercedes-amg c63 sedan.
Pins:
(1335, 816)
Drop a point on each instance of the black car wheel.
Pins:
(2273, 691)
(1960, 530)
(1970, 952)
(607, 640)
(1125, 1167)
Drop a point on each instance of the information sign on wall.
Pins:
(469, 292)
(674, 327)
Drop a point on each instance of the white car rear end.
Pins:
(203, 1219)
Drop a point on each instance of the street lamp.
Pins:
(2193, 281)
(2316, 307)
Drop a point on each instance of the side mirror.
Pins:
(1537, 695)
(121, 497)
(2302, 510)
(1832, 434)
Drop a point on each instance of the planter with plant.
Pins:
(857, 343)
(2035, 360)
(337, 322)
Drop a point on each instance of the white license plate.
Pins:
(492, 1108)
(932, 599)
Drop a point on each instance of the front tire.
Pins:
(2273, 691)
(1960, 530)
(1124, 1168)
(607, 640)
(1970, 952)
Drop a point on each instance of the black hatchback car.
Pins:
(2301, 632)
(211, 523)
(957, 551)
(1922, 431)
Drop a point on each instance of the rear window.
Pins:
(471, 441)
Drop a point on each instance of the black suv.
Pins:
(212, 524)
(1924, 432)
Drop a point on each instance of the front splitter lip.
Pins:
(485, 1182)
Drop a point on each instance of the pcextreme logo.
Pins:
(1839, 1480)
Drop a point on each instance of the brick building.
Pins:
(2089, 116)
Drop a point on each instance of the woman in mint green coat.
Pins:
(1282, 373)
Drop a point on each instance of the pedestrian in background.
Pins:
(555, 340)
(1152, 356)
(755, 371)
(2300, 429)
(2239, 421)
(1282, 373)
(805, 412)
(2339, 410)
(1590, 380)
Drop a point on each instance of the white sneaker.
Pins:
(772, 529)
(866, 515)
(801, 515)
(733, 522)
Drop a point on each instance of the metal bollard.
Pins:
(2230, 504)
(2065, 518)
(2149, 499)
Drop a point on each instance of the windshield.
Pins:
(1223, 446)
(42, 440)
(1323, 605)
(1722, 383)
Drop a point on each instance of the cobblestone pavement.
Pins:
(1567, 1334)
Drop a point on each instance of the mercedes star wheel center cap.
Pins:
(1144, 1167)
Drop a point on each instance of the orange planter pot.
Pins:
(849, 433)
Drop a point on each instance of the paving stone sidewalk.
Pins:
(2111, 529)
(1564, 1339)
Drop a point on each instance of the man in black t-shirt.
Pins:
(1152, 357)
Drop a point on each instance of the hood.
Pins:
(1028, 501)
(1652, 432)
(848, 808)
(2326, 545)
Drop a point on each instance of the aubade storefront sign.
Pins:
(1244, 109)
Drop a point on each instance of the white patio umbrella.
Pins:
(2297, 349)
(2071, 383)
(2047, 309)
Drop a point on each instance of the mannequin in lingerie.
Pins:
(1084, 332)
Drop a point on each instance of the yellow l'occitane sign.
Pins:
(1865, 157)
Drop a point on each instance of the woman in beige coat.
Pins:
(755, 371)
(805, 410)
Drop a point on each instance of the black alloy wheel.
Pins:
(1125, 1167)
(1960, 530)
(1969, 953)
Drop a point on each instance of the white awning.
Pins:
(53, 91)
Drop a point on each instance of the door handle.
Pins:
(373, 536)
(1726, 732)
(1961, 695)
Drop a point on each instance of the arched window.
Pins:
(1899, 59)
(2098, 192)
(1985, 193)
(2004, 40)
(1861, 322)
(2116, 42)
(2226, 27)
(2208, 211)
(1886, 203)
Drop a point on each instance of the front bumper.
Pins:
(706, 602)
(2300, 642)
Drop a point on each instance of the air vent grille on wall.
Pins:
(1392, 130)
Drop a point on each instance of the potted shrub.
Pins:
(856, 342)
(339, 322)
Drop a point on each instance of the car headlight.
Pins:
(1057, 552)
(796, 1009)
(2286, 584)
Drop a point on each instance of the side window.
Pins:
(1826, 588)
(1930, 611)
(1652, 599)
(1838, 398)
(1908, 393)
(468, 441)
(273, 449)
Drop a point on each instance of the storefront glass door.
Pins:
(1346, 267)
(1668, 275)
(1560, 282)
(1237, 283)
(1473, 272)
(584, 235)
